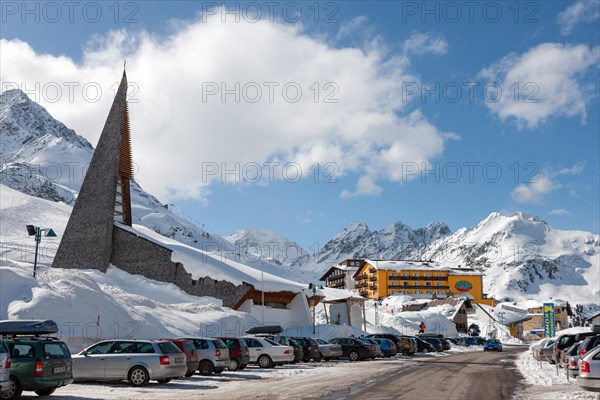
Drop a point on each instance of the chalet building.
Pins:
(535, 312)
(377, 279)
(340, 276)
(462, 308)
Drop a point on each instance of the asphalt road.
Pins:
(476, 376)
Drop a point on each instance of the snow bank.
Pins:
(89, 305)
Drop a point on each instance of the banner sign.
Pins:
(549, 322)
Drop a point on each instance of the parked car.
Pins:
(566, 340)
(330, 350)
(492, 344)
(213, 355)
(402, 346)
(37, 364)
(298, 351)
(137, 361)
(457, 341)
(572, 360)
(310, 347)
(446, 344)
(415, 347)
(376, 348)
(267, 353)
(191, 354)
(470, 341)
(239, 354)
(547, 352)
(424, 347)
(387, 347)
(408, 346)
(589, 371)
(588, 344)
(4, 367)
(536, 347)
(435, 342)
(355, 349)
(479, 341)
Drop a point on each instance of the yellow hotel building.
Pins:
(376, 279)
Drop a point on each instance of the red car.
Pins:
(239, 354)
(191, 354)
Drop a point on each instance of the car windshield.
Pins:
(100, 348)
(3, 348)
(188, 346)
(168, 348)
(272, 342)
(219, 344)
(56, 350)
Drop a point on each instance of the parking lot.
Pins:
(326, 379)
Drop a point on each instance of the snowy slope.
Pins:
(40, 155)
(395, 242)
(523, 256)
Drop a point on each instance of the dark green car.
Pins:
(37, 364)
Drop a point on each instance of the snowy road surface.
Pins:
(476, 376)
(464, 376)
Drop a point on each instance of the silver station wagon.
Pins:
(137, 361)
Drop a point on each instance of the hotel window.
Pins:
(438, 283)
(437, 275)
(416, 274)
(417, 292)
(404, 274)
(405, 292)
(416, 284)
(428, 275)
(404, 283)
(428, 292)
(427, 283)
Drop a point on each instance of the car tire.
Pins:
(234, 365)
(242, 366)
(264, 361)
(219, 370)
(45, 392)
(327, 359)
(425, 350)
(405, 352)
(15, 390)
(318, 359)
(354, 356)
(166, 380)
(206, 368)
(138, 376)
(189, 374)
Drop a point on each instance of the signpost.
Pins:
(549, 323)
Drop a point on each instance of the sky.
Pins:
(301, 117)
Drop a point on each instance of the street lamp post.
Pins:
(36, 231)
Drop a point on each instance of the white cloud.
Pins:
(423, 43)
(534, 192)
(365, 186)
(550, 79)
(580, 12)
(559, 212)
(348, 28)
(177, 132)
(542, 185)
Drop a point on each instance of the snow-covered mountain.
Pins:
(522, 255)
(396, 242)
(270, 246)
(38, 154)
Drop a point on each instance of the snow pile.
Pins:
(89, 305)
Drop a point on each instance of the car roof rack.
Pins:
(268, 329)
(31, 327)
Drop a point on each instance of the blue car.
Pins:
(492, 344)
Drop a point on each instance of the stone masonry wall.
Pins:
(139, 256)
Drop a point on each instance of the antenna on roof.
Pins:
(124, 64)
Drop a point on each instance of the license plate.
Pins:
(179, 359)
(59, 370)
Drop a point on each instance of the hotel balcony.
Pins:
(373, 278)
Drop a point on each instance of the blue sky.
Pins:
(399, 75)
